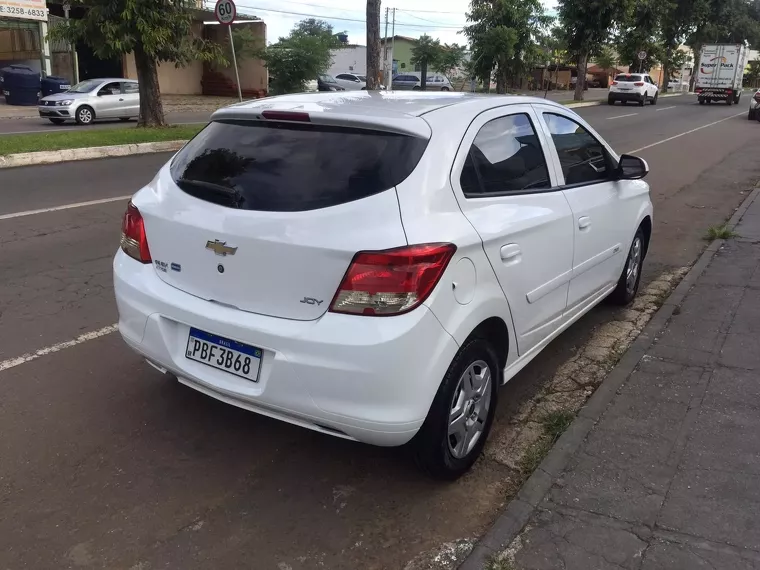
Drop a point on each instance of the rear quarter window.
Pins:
(288, 167)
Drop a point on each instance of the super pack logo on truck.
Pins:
(714, 62)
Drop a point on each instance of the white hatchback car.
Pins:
(374, 266)
(636, 87)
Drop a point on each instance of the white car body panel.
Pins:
(373, 379)
(627, 89)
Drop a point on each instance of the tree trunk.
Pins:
(501, 79)
(666, 70)
(423, 75)
(151, 108)
(373, 45)
(582, 64)
(696, 53)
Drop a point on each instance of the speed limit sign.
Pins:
(225, 11)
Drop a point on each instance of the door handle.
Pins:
(584, 222)
(510, 252)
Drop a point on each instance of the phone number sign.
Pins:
(23, 9)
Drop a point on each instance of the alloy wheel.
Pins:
(633, 266)
(469, 409)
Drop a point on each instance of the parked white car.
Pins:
(636, 87)
(351, 81)
(374, 266)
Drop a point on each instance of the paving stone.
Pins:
(688, 356)
(712, 303)
(732, 388)
(747, 317)
(718, 440)
(600, 485)
(741, 351)
(557, 541)
(671, 556)
(734, 264)
(721, 506)
(748, 228)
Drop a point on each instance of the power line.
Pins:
(313, 5)
(328, 17)
(423, 19)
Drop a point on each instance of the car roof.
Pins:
(396, 111)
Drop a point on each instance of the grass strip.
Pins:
(84, 138)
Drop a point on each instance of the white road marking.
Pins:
(11, 363)
(64, 207)
(665, 108)
(621, 116)
(686, 133)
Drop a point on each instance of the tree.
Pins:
(752, 77)
(301, 56)
(452, 57)
(680, 19)
(153, 30)
(373, 45)
(586, 26)
(427, 52)
(247, 44)
(607, 60)
(504, 37)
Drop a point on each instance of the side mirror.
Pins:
(632, 168)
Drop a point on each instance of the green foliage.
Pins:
(299, 57)
(505, 36)
(427, 53)
(586, 25)
(159, 28)
(607, 59)
(247, 44)
(452, 57)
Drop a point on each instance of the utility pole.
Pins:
(389, 81)
(385, 48)
(373, 44)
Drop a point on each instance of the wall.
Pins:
(253, 73)
(351, 59)
(402, 53)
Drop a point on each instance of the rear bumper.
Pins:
(362, 378)
(625, 96)
(715, 93)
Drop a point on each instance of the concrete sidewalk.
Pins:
(668, 478)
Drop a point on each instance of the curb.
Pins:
(72, 154)
(520, 509)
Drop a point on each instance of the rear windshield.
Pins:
(286, 167)
(628, 78)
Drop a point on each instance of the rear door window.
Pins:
(288, 167)
(505, 157)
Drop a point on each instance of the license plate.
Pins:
(224, 354)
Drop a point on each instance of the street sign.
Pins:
(225, 12)
(642, 55)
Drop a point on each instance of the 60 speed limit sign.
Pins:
(225, 11)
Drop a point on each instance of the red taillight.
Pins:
(391, 282)
(729, 91)
(614, 82)
(756, 96)
(697, 90)
(133, 239)
(639, 84)
(287, 116)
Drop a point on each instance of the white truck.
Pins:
(720, 72)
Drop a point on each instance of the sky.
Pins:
(442, 19)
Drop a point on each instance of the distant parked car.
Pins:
(327, 83)
(412, 81)
(93, 99)
(351, 81)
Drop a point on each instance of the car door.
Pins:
(131, 92)
(109, 101)
(507, 189)
(604, 209)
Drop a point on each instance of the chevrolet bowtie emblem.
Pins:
(220, 248)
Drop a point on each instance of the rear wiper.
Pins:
(207, 185)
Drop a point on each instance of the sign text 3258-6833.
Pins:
(23, 9)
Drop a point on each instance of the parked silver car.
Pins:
(93, 99)
(412, 81)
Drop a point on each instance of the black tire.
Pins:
(57, 121)
(610, 101)
(85, 115)
(751, 116)
(738, 98)
(416, 88)
(625, 292)
(729, 101)
(642, 101)
(125, 119)
(708, 101)
(624, 102)
(701, 101)
(444, 88)
(433, 445)
(654, 100)
(756, 115)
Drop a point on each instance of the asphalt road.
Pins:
(105, 464)
(39, 125)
